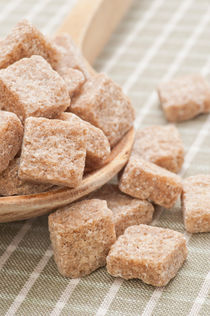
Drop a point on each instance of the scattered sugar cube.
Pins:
(11, 134)
(53, 151)
(11, 184)
(145, 180)
(184, 98)
(127, 211)
(74, 80)
(30, 87)
(97, 144)
(161, 145)
(81, 236)
(26, 40)
(70, 55)
(103, 104)
(196, 203)
(151, 254)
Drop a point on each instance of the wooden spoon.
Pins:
(90, 23)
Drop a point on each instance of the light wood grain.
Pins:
(90, 24)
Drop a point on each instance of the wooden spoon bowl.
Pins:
(90, 24)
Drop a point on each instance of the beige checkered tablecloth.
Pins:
(157, 40)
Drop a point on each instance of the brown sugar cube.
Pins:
(97, 144)
(152, 254)
(81, 236)
(196, 203)
(103, 104)
(145, 180)
(53, 151)
(11, 184)
(11, 134)
(74, 80)
(160, 145)
(26, 40)
(70, 55)
(30, 87)
(127, 211)
(184, 98)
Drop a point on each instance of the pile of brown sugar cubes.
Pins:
(58, 121)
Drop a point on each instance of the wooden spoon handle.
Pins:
(91, 22)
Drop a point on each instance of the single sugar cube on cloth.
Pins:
(30, 87)
(103, 104)
(184, 98)
(74, 80)
(26, 40)
(53, 151)
(81, 236)
(196, 203)
(70, 55)
(145, 180)
(97, 144)
(161, 145)
(127, 211)
(11, 134)
(11, 184)
(149, 253)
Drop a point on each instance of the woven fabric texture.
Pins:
(157, 40)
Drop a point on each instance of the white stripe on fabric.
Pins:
(14, 243)
(11, 6)
(64, 297)
(64, 9)
(157, 44)
(30, 282)
(109, 297)
(200, 299)
(36, 9)
(139, 26)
